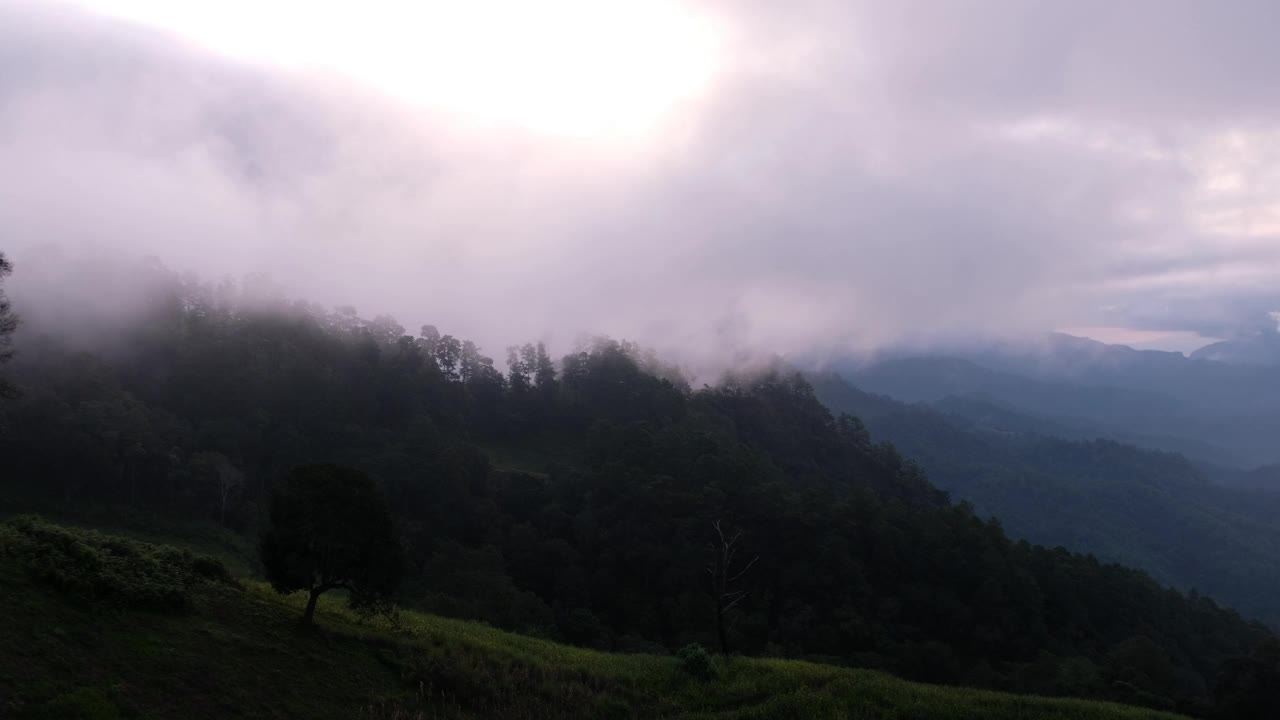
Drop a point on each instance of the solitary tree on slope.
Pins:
(331, 529)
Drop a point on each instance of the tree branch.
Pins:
(745, 569)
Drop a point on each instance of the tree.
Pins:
(724, 577)
(8, 321)
(222, 476)
(448, 351)
(542, 370)
(331, 528)
(1249, 687)
(518, 375)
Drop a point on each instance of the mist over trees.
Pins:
(571, 499)
(8, 323)
(809, 181)
(252, 169)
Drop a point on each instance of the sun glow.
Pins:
(592, 68)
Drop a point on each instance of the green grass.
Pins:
(237, 652)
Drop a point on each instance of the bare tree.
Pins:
(724, 577)
(223, 476)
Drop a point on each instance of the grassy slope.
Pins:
(238, 654)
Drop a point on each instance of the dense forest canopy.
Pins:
(589, 499)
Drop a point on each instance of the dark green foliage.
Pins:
(330, 529)
(103, 570)
(238, 656)
(1246, 686)
(598, 536)
(696, 662)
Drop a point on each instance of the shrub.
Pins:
(695, 662)
(98, 569)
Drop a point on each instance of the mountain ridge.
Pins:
(1150, 509)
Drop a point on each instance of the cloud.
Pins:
(860, 174)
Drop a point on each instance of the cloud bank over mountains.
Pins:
(855, 175)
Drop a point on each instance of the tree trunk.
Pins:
(311, 607)
(720, 631)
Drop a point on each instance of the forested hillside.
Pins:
(586, 500)
(86, 639)
(1147, 509)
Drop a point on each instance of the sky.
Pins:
(713, 178)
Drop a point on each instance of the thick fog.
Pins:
(853, 175)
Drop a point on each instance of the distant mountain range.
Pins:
(1223, 415)
(1048, 484)
(1264, 349)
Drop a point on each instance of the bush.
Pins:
(97, 568)
(695, 662)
